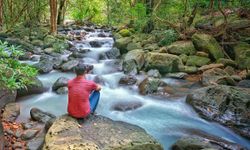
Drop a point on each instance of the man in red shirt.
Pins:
(83, 96)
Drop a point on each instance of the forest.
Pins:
(167, 74)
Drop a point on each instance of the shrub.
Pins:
(169, 36)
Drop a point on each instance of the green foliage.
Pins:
(13, 74)
(139, 16)
(169, 36)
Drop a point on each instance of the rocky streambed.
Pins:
(148, 87)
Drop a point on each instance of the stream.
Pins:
(165, 119)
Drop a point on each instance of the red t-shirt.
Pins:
(78, 96)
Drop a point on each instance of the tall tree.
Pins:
(1, 14)
(61, 9)
(53, 16)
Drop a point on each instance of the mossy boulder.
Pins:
(227, 105)
(133, 61)
(189, 69)
(65, 134)
(149, 86)
(165, 63)
(207, 43)
(242, 55)
(132, 46)
(181, 47)
(125, 33)
(197, 61)
(122, 44)
(227, 62)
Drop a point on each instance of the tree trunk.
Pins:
(53, 16)
(60, 17)
(1, 14)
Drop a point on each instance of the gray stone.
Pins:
(62, 90)
(126, 106)
(29, 134)
(114, 53)
(65, 134)
(127, 80)
(11, 112)
(68, 66)
(7, 96)
(154, 73)
(149, 86)
(60, 82)
(182, 47)
(244, 84)
(40, 116)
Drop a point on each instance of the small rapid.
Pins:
(165, 119)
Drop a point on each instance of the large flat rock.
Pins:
(97, 132)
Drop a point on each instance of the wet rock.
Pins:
(207, 43)
(60, 82)
(210, 66)
(35, 88)
(133, 61)
(28, 125)
(125, 33)
(7, 96)
(58, 62)
(114, 53)
(25, 56)
(197, 61)
(128, 80)
(225, 104)
(65, 133)
(44, 66)
(189, 69)
(165, 63)
(132, 46)
(40, 116)
(49, 123)
(62, 90)
(122, 43)
(244, 84)
(154, 73)
(182, 47)
(202, 54)
(77, 54)
(11, 112)
(99, 80)
(68, 66)
(216, 76)
(242, 55)
(149, 86)
(179, 75)
(37, 142)
(95, 44)
(126, 106)
(49, 50)
(201, 143)
(227, 62)
(29, 134)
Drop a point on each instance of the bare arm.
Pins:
(98, 87)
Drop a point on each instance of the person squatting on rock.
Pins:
(84, 95)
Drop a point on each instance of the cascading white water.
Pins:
(166, 120)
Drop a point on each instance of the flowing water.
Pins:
(165, 119)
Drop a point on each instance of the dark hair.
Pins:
(80, 69)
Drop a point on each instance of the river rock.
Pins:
(127, 80)
(7, 96)
(189, 69)
(244, 84)
(95, 44)
(197, 61)
(227, 62)
(179, 75)
(210, 66)
(68, 66)
(1, 136)
(201, 143)
(132, 46)
(62, 90)
(60, 82)
(151, 47)
(224, 104)
(181, 47)
(40, 116)
(11, 112)
(37, 142)
(36, 87)
(114, 53)
(149, 86)
(242, 55)
(25, 56)
(202, 54)
(29, 134)
(165, 63)
(44, 66)
(122, 44)
(126, 106)
(154, 73)
(133, 61)
(207, 43)
(125, 33)
(216, 76)
(105, 133)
